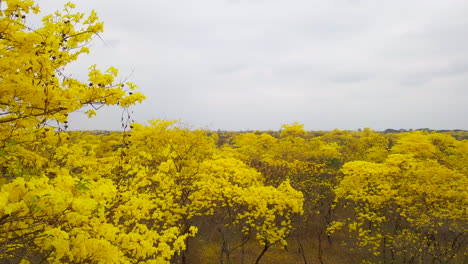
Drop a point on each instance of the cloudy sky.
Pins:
(257, 64)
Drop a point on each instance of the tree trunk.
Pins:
(265, 248)
(320, 249)
(301, 250)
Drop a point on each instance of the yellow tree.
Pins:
(34, 88)
(84, 208)
(183, 170)
(412, 207)
(359, 145)
(309, 163)
(51, 207)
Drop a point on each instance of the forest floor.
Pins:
(208, 251)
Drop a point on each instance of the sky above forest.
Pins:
(257, 64)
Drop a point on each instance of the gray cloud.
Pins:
(254, 64)
(440, 71)
(351, 77)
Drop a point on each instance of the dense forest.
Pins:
(163, 193)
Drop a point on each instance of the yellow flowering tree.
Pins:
(35, 89)
(59, 201)
(307, 162)
(411, 208)
(184, 170)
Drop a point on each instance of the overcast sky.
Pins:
(257, 64)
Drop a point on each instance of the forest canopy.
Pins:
(160, 192)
